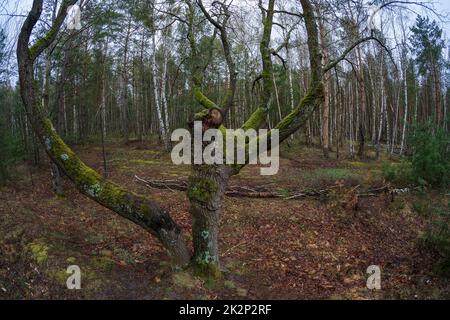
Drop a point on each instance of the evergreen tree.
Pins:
(427, 45)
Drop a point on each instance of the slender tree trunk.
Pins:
(327, 91)
(388, 128)
(55, 174)
(103, 111)
(162, 127)
(405, 115)
(351, 124)
(382, 115)
(164, 103)
(363, 106)
(75, 118)
(291, 88)
(438, 93)
(395, 124)
(277, 98)
(124, 88)
(374, 110)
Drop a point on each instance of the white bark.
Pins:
(162, 128)
(163, 96)
(405, 116)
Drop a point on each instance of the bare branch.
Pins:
(336, 61)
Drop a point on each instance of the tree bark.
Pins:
(124, 88)
(162, 127)
(129, 205)
(327, 85)
(55, 173)
(207, 186)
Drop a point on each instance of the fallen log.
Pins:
(262, 192)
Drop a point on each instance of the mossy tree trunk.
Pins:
(207, 183)
(207, 186)
(129, 205)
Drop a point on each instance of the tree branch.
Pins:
(336, 61)
(222, 27)
(42, 43)
(129, 205)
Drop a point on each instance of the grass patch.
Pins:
(331, 175)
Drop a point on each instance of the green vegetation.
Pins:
(398, 173)
(11, 146)
(437, 235)
(430, 154)
(40, 252)
(139, 70)
(331, 175)
(429, 159)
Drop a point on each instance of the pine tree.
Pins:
(427, 45)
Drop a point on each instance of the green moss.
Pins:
(206, 265)
(287, 120)
(229, 284)
(50, 34)
(61, 276)
(71, 260)
(201, 189)
(202, 99)
(307, 102)
(255, 119)
(103, 264)
(83, 176)
(199, 116)
(114, 196)
(39, 251)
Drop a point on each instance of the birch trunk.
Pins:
(162, 127)
(405, 116)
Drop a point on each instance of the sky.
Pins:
(20, 7)
(444, 6)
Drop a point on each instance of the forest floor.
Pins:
(271, 248)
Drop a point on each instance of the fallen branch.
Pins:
(262, 192)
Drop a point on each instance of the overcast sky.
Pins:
(443, 7)
(20, 7)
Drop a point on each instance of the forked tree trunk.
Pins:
(207, 182)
